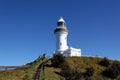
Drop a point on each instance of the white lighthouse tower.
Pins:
(61, 33)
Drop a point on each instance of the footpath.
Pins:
(39, 72)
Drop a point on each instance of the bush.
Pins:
(89, 73)
(57, 60)
(71, 74)
(104, 62)
(43, 56)
(113, 71)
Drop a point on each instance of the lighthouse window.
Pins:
(65, 38)
(60, 43)
(60, 23)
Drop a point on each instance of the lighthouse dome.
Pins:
(61, 26)
(61, 20)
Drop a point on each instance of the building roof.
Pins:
(61, 20)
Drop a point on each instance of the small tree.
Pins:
(43, 56)
(105, 62)
(89, 73)
(57, 60)
(113, 71)
(71, 74)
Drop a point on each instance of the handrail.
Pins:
(13, 66)
(16, 67)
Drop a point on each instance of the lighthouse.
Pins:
(61, 33)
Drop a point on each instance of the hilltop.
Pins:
(84, 68)
(22, 73)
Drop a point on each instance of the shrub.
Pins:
(43, 56)
(57, 60)
(71, 74)
(113, 71)
(104, 62)
(89, 73)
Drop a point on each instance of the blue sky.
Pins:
(27, 26)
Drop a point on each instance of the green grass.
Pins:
(49, 73)
(79, 63)
(20, 74)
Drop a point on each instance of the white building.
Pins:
(61, 33)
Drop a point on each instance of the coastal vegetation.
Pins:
(60, 67)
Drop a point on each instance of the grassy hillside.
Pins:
(21, 74)
(86, 68)
(79, 64)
